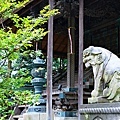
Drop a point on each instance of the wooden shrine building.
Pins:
(81, 23)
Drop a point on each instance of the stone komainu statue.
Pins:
(106, 71)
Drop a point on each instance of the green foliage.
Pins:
(59, 64)
(28, 29)
(13, 48)
(27, 97)
(7, 7)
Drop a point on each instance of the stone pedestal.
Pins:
(34, 116)
(100, 111)
(65, 115)
(97, 100)
(65, 118)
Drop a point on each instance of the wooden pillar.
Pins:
(118, 24)
(80, 66)
(49, 65)
(71, 54)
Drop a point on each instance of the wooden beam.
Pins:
(80, 66)
(49, 65)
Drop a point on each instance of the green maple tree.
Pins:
(13, 45)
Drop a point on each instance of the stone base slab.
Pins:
(43, 116)
(65, 118)
(34, 116)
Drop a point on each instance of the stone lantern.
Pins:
(38, 81)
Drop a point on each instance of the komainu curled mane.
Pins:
(106, 69)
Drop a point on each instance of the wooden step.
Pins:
(18, 112)
(23, 106)
(17, 116)
(20, 119)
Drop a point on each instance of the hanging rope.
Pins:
(70, 38)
